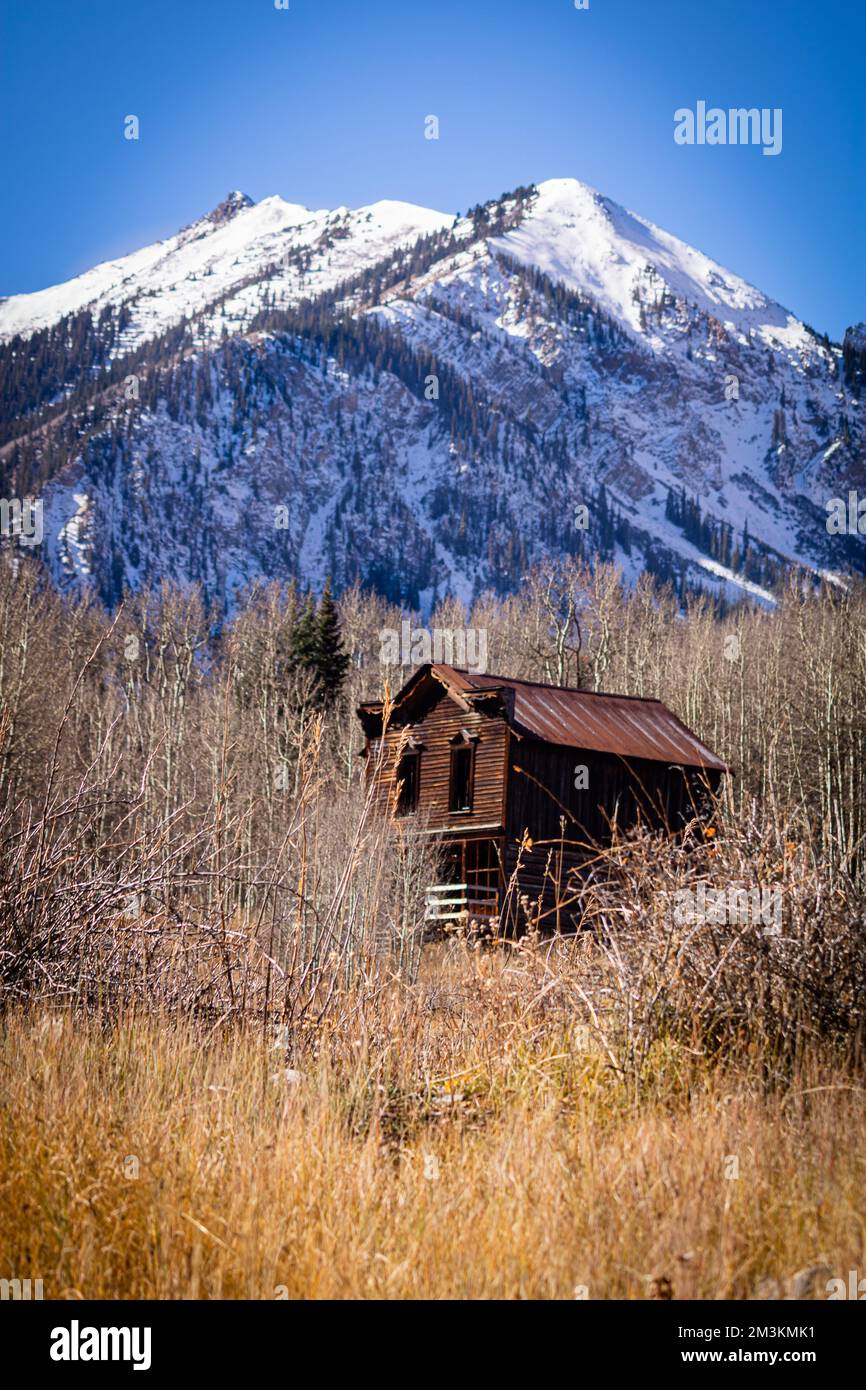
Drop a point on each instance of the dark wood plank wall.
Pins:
(441, 723)
(541, 792)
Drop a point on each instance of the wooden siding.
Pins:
(541, 792)
(441, 723)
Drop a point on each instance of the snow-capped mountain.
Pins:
(427, 403)
(223, 257)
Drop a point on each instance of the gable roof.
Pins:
(627, 726)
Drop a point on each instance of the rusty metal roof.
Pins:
(626, 725)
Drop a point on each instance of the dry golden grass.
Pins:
(185, 838)
(447, 1150)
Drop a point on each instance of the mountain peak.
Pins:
(595, 245)
(231, 205)
(566, 187)
(855, 337)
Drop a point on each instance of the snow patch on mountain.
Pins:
(181, 276)
(577, 235)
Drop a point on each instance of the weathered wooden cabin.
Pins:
(516, 778)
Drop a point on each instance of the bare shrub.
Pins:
(103, 899)
(727, 942)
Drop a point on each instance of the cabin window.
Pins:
(462, 758)
(408, 778)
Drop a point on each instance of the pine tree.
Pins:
(330, 658)
(304, 640)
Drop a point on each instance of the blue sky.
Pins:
(324, 103)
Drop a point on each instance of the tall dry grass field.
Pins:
(231, 1065)
(474, 1154)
